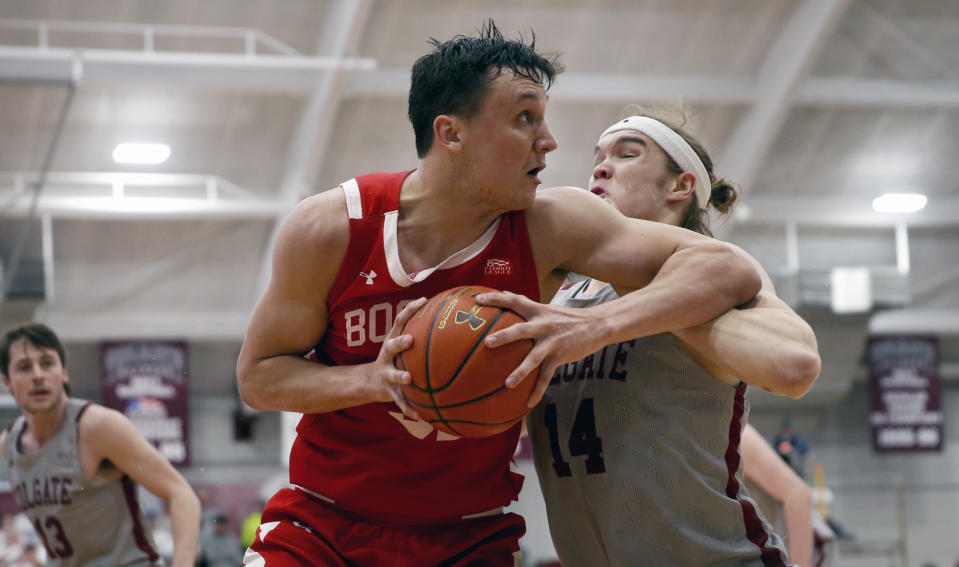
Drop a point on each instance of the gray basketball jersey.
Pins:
(637, 451)
(94, 524)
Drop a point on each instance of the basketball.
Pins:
(458, 384)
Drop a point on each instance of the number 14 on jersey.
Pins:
(583, 439)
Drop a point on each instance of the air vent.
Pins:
(29, 281)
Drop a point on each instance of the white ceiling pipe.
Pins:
(915, 321)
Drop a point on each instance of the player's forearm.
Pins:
(797, 508)
(769, 348)
(185, 519)
(693, 286)
(292, 383)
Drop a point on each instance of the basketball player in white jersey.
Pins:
(75, 465)
(637, 445)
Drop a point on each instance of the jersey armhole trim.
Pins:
(354, 204)
(83, 409)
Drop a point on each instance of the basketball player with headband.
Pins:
(637, 445)
(372, 485)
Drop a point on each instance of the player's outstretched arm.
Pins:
(763, 466)
(765, 343)
(669, 278)
(107, 435)
(291, 318)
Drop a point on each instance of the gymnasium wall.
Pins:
(867, 489)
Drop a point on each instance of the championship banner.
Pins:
(149, 382)
(905, 393)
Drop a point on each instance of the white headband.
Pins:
(675, 147)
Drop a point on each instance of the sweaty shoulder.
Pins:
(320, 220)
(317, 229)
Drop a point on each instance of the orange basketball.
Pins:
(458, 383)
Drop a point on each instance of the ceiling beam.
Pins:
(341, 35)
(133, 195)
(145, 208)
(758, 210)
(848, 91)
(916, 321)
(269, 73)
(787, 62)
(223, 70)
(841, 212)
(394, 82)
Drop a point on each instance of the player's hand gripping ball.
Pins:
(458, 384)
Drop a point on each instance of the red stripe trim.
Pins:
(771, 556)
(83, 409)
(139, 535)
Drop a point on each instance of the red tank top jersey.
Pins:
(369, 459)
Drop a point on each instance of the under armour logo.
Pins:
(369, 277)
(474, 320)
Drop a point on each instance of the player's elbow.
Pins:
(798, 371)
(249, 384)
(187, 500)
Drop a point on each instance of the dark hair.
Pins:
(723, 193)
(455, 77)
(37, 334)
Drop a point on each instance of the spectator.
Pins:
(792, 447)
(11, 543)
(31, 556)
(220, 547)
(251, 522)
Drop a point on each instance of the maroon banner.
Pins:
(150, 383)
(905, 393)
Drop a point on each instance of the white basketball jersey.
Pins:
(80, 523)
(637, 451)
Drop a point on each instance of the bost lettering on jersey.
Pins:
(372, 324)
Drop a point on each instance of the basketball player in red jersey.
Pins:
(371, 484)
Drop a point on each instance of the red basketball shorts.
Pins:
(298, 529)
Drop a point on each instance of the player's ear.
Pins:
(6, 382)
(446, 132)
(683, 187)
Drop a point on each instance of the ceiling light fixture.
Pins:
(899, 203)
(129, 152)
